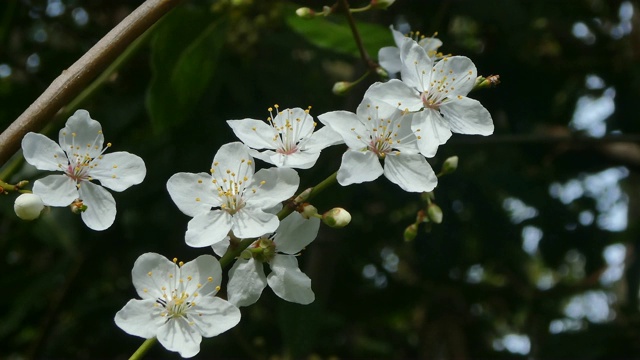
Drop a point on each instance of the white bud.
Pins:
(28, 206)
(336, 218)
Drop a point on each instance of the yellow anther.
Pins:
(218, 288)
(115, 166)
(180, 263)
(73, 134)
(209, 279)
(149, 273)
(263, 182)
(175, 260)
(108, 144)
(198, 199)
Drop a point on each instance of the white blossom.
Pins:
(178, 303)
(288, 137)
(436, 95)
(378, 131)
(389, 56)
(80, 157)
(232, 197)
(247, 278)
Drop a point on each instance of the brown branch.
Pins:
(72, 80)
(356, 36)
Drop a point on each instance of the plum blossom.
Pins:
(378, 131)
(389, 56)
(247, 278)
(80, 157)
(288, 137)
(232, 197)
(436, 95)
(178, 303)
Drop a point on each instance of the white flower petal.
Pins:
(322, 139)
(193, 193)
(229, 156)
(101, 206)
(208, 228)
(369, 108)
(460, 68)
(177, 335)
(296, 119)
(358, 167)
(56, 190)
(150, 272)
(271, 186)
(430, 44)
(298, 160)
(395, 93)
(389, 59)
(215, 316)
(411, 172)
(347, 125)
(288, 282)
(431, 131)
(246, 282)
(255, 133)
(206, 275)
(467, 116)
(43, 153)
(416, 66)
(83, 133)
(220, 248)
(295, 233)
(119, 170)
(140, 318)
(248, 223)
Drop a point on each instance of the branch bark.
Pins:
(72, 80)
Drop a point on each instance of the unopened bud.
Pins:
(410, 232)
(382, 72)
(450, 165)
(435, 213)
(486, 82)
(336, 218)
(381, 4)
(341, 87)
(305, 13)
(28, 206)
(309, 211)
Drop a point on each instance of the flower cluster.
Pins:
(396, 127)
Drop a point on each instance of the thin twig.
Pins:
(72, 81)
(356, 36)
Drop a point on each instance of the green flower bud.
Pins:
(305, 13)
(336, 218)
(450, 165)
(382, 72)
(435, 213)
(28, 206)
(341, 87)
(410, 232)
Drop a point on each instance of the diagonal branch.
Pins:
(72, 80)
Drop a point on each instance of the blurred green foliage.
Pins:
(466, 288)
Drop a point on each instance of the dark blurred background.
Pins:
(535, 257)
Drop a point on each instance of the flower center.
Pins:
(292, 133)
(177, 303)
(80, 164)
(381, 134)
(231, 185)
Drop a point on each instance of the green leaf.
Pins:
(184, 53)
(333, 33)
